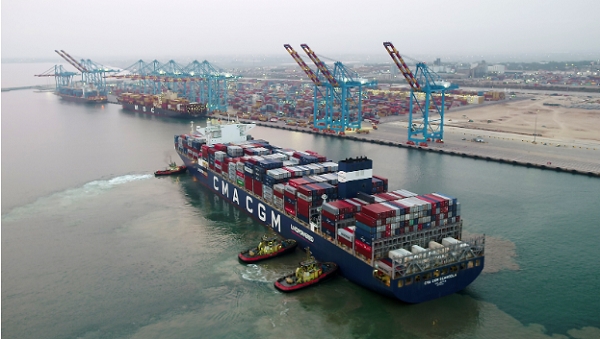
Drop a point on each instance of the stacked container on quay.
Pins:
(164, 105)
(400, 244)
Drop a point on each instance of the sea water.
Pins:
(94, 246)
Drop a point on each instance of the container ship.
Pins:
(164, 105)
(397, 243)
(82, 95)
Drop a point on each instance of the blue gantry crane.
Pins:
(198, 81)
(212, 85)
(338, 94)
(93, 75)
(427, 94)
(320, 104)
(62, 77)
(145, 77)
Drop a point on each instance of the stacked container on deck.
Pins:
(336, 216)
(401, 212)
(189, 145)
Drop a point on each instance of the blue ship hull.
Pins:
(350, 266)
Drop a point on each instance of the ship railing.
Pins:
(432, 258)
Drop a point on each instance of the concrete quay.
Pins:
(576, 157)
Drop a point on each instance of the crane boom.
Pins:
(72, 61)
(303, 65)
(75, 61)
(320, 65)
(414, 84)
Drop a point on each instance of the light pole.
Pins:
(535, 128)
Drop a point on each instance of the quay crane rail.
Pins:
(426, 114)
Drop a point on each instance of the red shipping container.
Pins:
(303, 206)
(290, 209)
(330, 216)
(327, 226)
(248, 183)
(379, 211)
(386, 196)
(299, 182)
(362, 248)
(257, 187)
(304, 189)
(312, 187)
(342, 206)
(367, 220)
(375, 211)
(345, 242)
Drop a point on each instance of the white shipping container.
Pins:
(384, 267)
(406, 193)
(279, 187)
(398, 254)
(417, 249)
(433, 245)
(345, 234)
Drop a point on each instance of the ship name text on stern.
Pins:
(440, 281)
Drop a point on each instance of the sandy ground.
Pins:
(566, 122)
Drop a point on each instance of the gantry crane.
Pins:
(426, 114)
(92, 74)
(345, 89)
(62, 77)
(146, 77)
(339, 107)
(211, 84)
(320, 121)
(198, 81)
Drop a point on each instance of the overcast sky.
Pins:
(149, 29)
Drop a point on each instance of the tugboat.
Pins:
(268, 247)
(172, 169)
(307, 274)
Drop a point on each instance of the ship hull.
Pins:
(350, 266)
(160, 112)
(81, 100)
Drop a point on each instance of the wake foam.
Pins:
(70, 196)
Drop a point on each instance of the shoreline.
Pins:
(521, 156)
